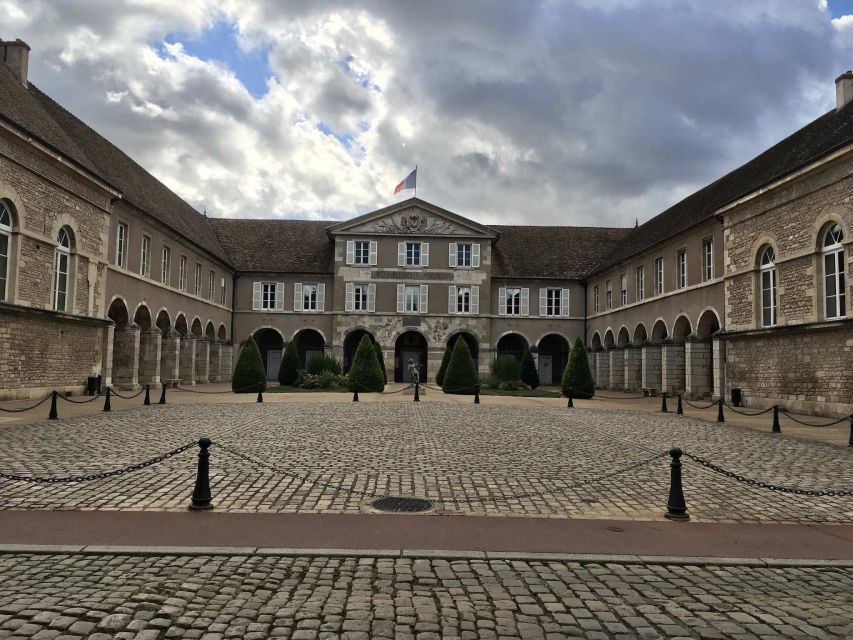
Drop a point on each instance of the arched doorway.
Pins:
(640, 335)
(553, 357)
(681, 329)
(512, 344)
(181, 325)
(351, 342)
(270, 344)
(411, 345)
(473, 346)
(122, 370)
(309, 342)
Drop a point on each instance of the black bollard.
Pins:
(260, 396)
(107, 406)
(720, 416)
(776, 428)
(850, 441)
(571, 403)
(53, 415)
(147, 400)
(663, 408)
(417, 392)
(676, 507)
(679, 409)
(477, 394)
(201, 493)
(355, 393)
(162, 394)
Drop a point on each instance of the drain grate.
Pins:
(401, 505)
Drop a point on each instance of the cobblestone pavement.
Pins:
(496, 460)
(252, 597)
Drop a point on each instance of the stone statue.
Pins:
(414, 371)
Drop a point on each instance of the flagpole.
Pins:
(416, 181)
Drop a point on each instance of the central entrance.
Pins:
(410, 346)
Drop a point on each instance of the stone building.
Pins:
(743, 285)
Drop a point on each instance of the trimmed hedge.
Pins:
(529, 374)
(445, 360)
(288, 370)
(249, 374)
(577, 378)
(460, 377)
(378, 350)
(365, 372)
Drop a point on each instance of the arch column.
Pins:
(718, 357)
(202, 360)
(149, 356)
(214, 361)
(126, 357)
(590, 357)
(651, 366)
(698, 363)
(633, 367)
(602, 369)
(617, 368)
(672, 367)
(107, 361)
(226, 362)
(187, 360)
(170, 357)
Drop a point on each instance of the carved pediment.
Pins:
(414, 218)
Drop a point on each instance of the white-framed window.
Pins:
(682, 269)
(767, 269)
(309, 296)
(268, 296)
(61, 267)
(641, 282)
(211, 278)
(412, 298)
(596, 299)
(361, 252)
(835, 305)
(412, 254)
(182, 274)
(197, 283)
(553, 302)
(121, 245)
(166, 272)
(5, 248)
(145, 258)
(608, 294)
(708, 259)
(222, 290)
(463, 300)
(658, 276)
(514, 301)
(360, 297)
(623, 289)
(464, 254)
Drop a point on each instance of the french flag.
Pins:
(411, 182)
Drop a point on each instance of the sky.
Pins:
(570, 112)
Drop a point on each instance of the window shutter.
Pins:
(475, 255)
(543, 301)
(279, 296)
(451, 299)
(371, 297)
(475, 300)
(350, 293)
(256, 296)
(424, 298)
(525, 301)
(424, 254)
(401, 254)
(564, 303)
(401, 301)
(297, 296)
(502, 301)
(321, 297)
(350, 251)
(372, 255)
(451, 257)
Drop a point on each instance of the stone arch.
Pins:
(681, 328)
(270, 343)
(471, 332)
(552, 333)
(164, 322)
(623, 339)
(410, 345)
(210, 330)
(512, 344)
(823, 223)
(195, 327)
(553, 356)
(659, 331)
(707, 324)
(181, 324)
(640, 334)
(118, 312)
(352, 338)
(222, 333)
(142, 316)
(758, 248)
(67, 221)
(18, 208)
(595, 343)
(400, 332)
(309, 341)
(609, 339)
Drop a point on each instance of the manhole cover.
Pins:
(401, 505)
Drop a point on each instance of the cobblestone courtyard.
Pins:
(496, 460)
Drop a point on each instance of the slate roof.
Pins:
(820, 137)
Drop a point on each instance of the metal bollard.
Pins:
(571, 403)
(850, 441)
(720, 416)
(417, 392)
(477, 394)
(162, 394)
(53, 415)
(260, 396)
(107, 405)
(663, 408)
(676, 507)
(201, 492)
(147, 400)
(355, 393)
(776, 428)
(679, 410)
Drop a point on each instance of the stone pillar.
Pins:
(202, 360)
(718, 349)
(434, 357)
(126, 357)
(590, 357)
(214, 356)
(149, 356)
(187, 360)
(698, 375)
(617, 369)
(672, 367)
(226, 362)
(107, 364)
(170, 358)
(602, 369)
(633, 366)
(651, 366)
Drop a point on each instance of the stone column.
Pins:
(590, 357)
(202, 360)
(126, 357)
(651, 366)
(617, 368)
(213, 374)
(434, 357)
(149, 356)
(107, 364)
(602, 369)
(226, 362)
(698, 368)
(718, 349)
(170, 357)
(187, 360)
(633, 366)
(672, 367)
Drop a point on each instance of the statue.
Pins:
(414, 371)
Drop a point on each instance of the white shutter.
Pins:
(451, 299)
(401, 298)
(350, 293)
(279, 296)
(372, 255)
(350, 251)
(371, 297)
(475, 300)
(256, 296)
(297, 296)
(401, 254)
(564, 303)
(475, 255)
(525, 301)
(543, 301)
(502, 301)
(321, 297)
(424, 298)
(424, 254)
(451, 256)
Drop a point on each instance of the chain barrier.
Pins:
(116, 393)
(814, 424)
(744, 413)
(696, 406)
(92, 399)
(462, 390)
(389, 393)
(252, 387)
(37, 404)
(598, 395)
(766, 485)
(98, 476)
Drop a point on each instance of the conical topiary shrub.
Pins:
(378, 350)
(460, 377)
(249, 374)
(577, 378)
(365, 374)
(529, 375)
(288, 371)
(445, 360)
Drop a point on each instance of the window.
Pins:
(211, 278)
(197, 285)
(62, 258)
(413, 254)
(463, 299)
(682, 269)
(464, 254)
(360, 297)
(166, 273)
(708, 259)
(5, 248)
(596, 302)
(641, 283)
(768, 287)
(361, 252)
(268, 296)
(608, 295)
(121, 245)
(182, 274)
(145, 258)
(658, 276)
(309, 296)
(412, 299)
(623, 289)
(553, 302)
(833, 273)
(512, 301)
(222, 290)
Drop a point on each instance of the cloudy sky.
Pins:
(515, 111)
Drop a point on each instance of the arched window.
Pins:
(833, 273)
(5, 249)
(767, 266)
(61, 265)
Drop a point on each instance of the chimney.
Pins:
(843, 89)
(16, 56)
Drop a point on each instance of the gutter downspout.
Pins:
(585, 315)
(234, 277)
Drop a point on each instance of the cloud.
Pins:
(538, 112)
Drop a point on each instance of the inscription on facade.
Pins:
(420, 276)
